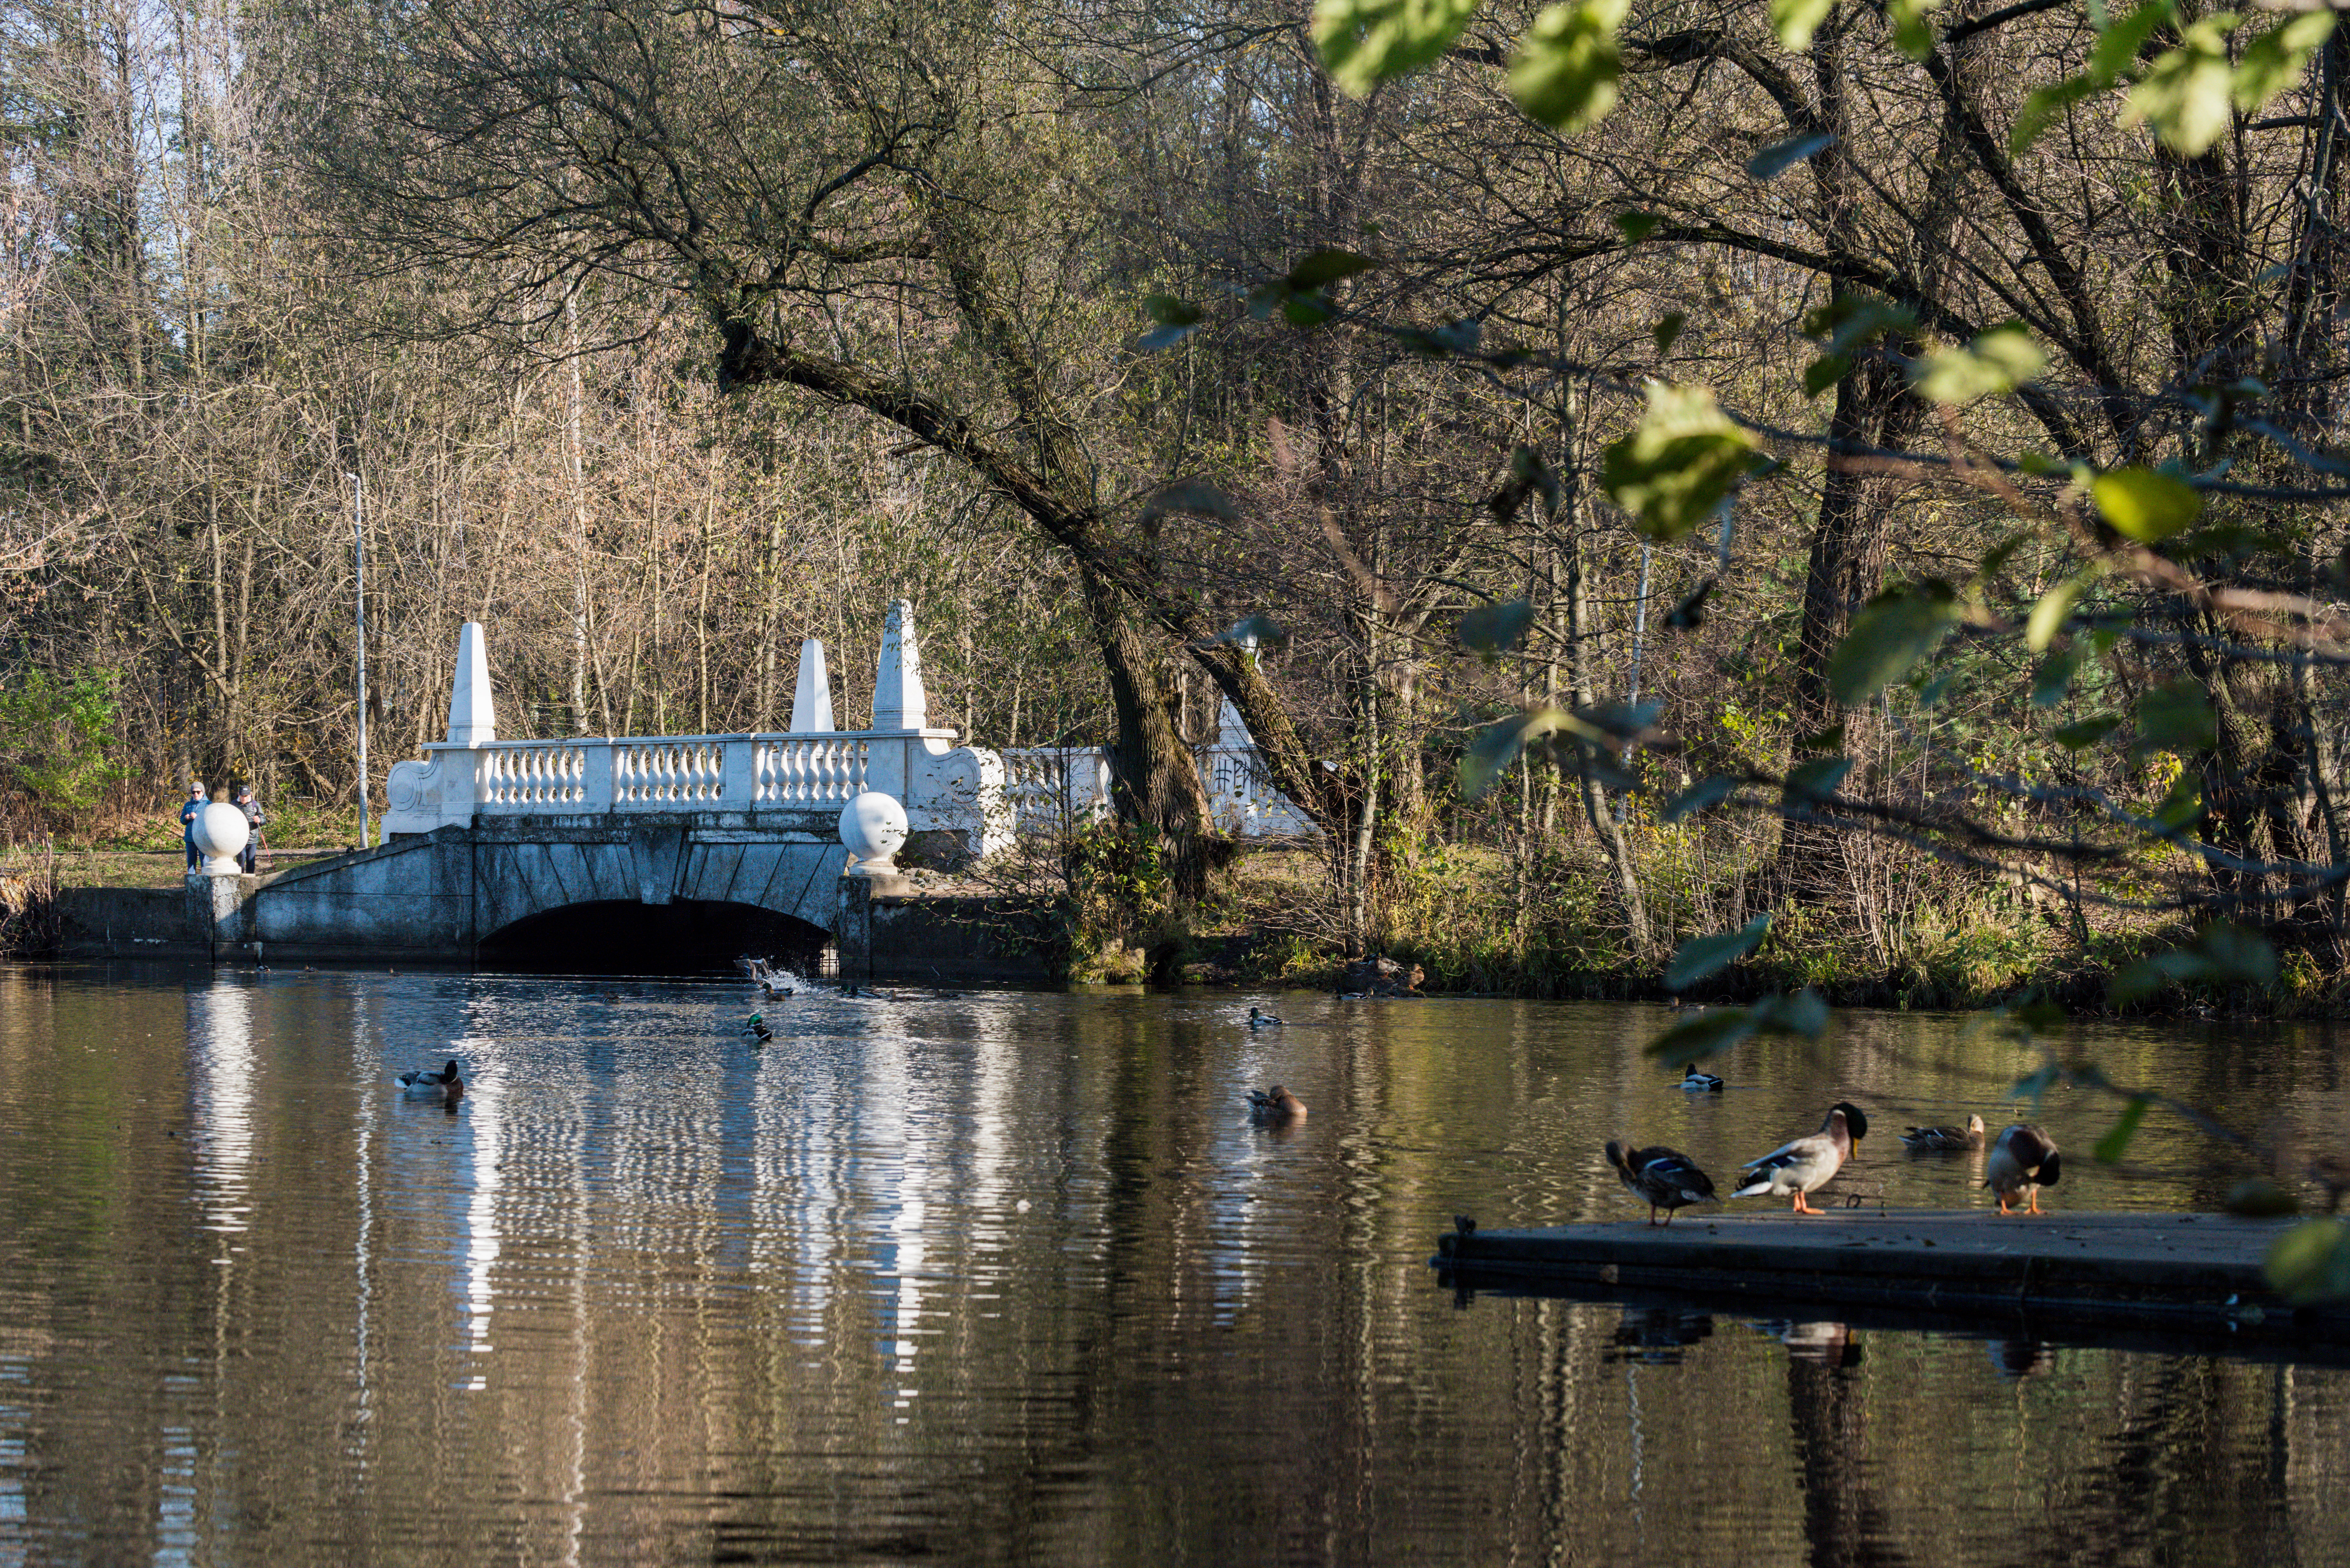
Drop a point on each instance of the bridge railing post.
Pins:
(595, 774)
(738, 774)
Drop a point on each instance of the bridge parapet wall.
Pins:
(741, 780)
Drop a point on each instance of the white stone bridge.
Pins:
(677, 852)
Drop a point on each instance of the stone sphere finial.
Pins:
(873, 826)
(221, 831)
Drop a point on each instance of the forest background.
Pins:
(1846, 493)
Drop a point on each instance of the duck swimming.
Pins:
(1261, 1020)
(1276, 1104)
(1942, 1140)
(1661, 1177)
(1804, 1165)
(1695, 1081)
(755, 1026)
(2022, 1162)
(444, 1084)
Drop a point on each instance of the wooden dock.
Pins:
(2179, 1273)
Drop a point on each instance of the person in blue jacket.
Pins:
(188, 811)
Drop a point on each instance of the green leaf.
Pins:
(1674, 469)
(1850, 320)
(2223, 954)
(1702, 796)
(2055, 605)
(1306, 310)
(1808, 782)
(1998, 362)
(1796, 20)
(1190, 497)
(2258, 1197)
(2040, 1017)
(1805, 1013)
(2311, 1263)
(2085, 733)
(1887, 640)
(1636, 227)
(1667, 331)
(1323, 268)
(1177, 318)
(2111, 1146)
(2119, 43)
(2054, 676)
(2278, 58)
(1258, 630)
(1529, 474)
(1701, 956)
(1912, 33)
(1709, 1034)
(2187, 92)
(1492, 629)
(1497, 745)
(2181, 805)
(1366, 42)
(2176, 717)
(1690, 613)
(2033, 1086)
(1825, 372)
(2148, 506)
(1776, 158)
(1566, 66)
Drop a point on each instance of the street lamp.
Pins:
(358, 598)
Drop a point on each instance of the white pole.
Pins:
(358, 600)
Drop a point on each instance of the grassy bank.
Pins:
(1480, 922)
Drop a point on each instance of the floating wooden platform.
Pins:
(2198, 1273)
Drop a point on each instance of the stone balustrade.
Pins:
(797, 781)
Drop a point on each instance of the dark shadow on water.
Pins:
(681, 938)
(2018, 1344)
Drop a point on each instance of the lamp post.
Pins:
(358, 600)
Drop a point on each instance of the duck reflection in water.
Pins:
(2021, 1358)
(1656, 1336)
(1820, 1344)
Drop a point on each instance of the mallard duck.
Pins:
(1661, 1177)
(1275, 1104)
(444, 1084)
(1942, 1140)
(755, 1026)
(1263, 1020)
(2022, 1162)
(1806, 1164)
(1695, 1081)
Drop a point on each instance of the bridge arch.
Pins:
(682, 937)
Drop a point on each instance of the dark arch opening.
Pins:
(685, 937)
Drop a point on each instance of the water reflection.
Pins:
(1007, 1279)
(219, 1110)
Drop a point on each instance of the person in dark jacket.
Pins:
(254, 819)
(190, 810)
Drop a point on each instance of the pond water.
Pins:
(1010, 1278)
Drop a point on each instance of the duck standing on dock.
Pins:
(1696, 1081)
(2022, 1162)
(1804, 1165)
(1945, 1139)
(444, 1085)
(1661, 1177)
(1275, 1106)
